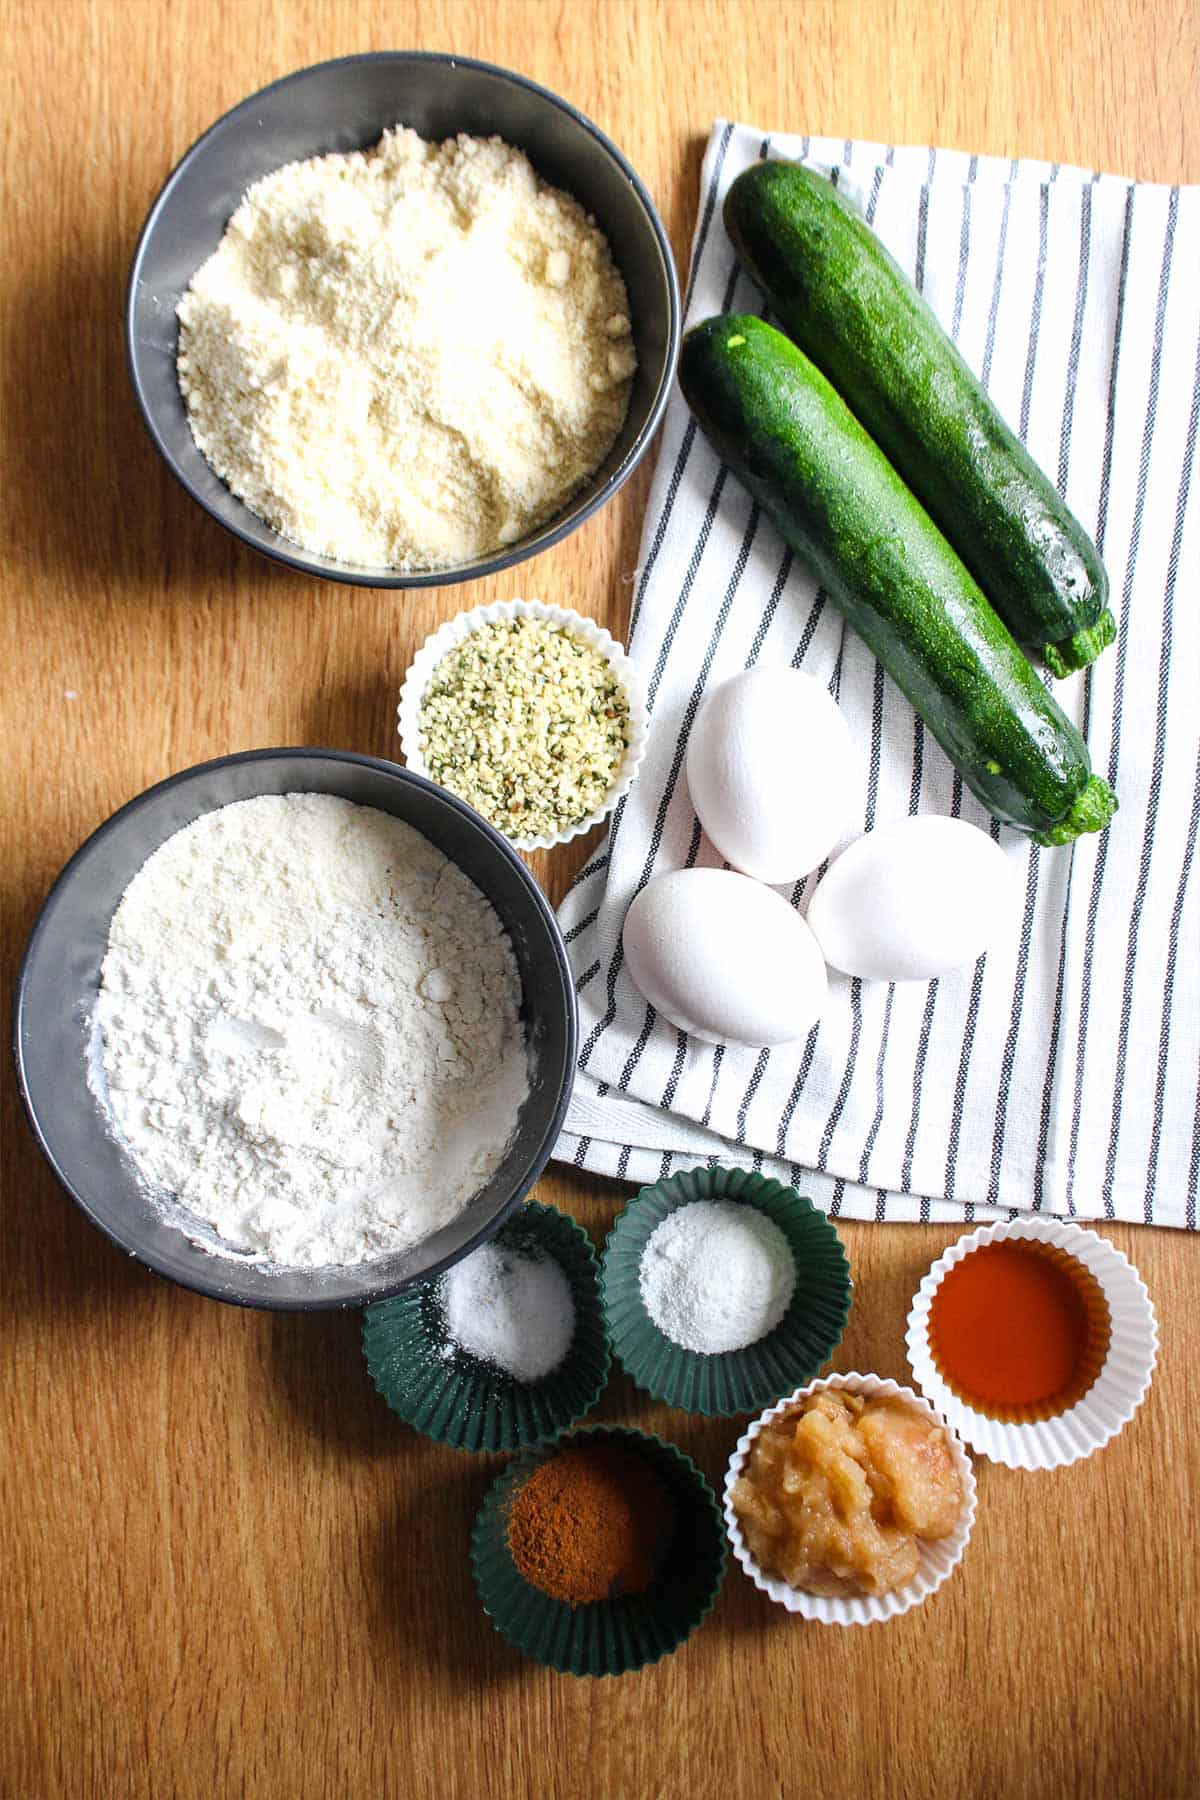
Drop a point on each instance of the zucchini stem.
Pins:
(1092, 810)
(1081, 648)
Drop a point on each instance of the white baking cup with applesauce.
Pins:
(1121, 1382)
(938, 1557)
(586, 631)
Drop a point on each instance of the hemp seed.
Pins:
(527, 724)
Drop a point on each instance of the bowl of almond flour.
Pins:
(296, 1029)
(402, 319)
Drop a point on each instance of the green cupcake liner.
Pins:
(605, 1637)
(732, 1381)
(470, 1405)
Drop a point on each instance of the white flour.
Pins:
(310, 1031)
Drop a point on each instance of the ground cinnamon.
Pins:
(590, 1524)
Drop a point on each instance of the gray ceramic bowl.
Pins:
(61, 972)
(346, 105)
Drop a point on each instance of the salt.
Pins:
(511, 1310)
(715, 1276)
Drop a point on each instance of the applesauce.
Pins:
(837, 1493)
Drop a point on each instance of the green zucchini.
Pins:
(838, 502)
(853, 311)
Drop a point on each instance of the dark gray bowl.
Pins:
(346, 105)
(61, 972)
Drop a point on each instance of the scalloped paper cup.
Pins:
(1113, 1398)
(588, 632)
(454, 1398)
(731, 1381)
(938, 1559)
(604, 1637)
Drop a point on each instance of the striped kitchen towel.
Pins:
(1060, 1073)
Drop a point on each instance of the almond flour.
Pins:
(409, 357)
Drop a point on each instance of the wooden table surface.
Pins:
(227, 1569)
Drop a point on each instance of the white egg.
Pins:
(772, 772)
(913, 900)
(724, 958)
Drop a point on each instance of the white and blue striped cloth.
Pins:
(1060, 1074)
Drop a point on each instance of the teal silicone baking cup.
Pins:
(605, 1637)
(442, 1391)
(732, 1381)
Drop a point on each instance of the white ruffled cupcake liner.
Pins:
(1114, 1396)
(587, 632)
(938, 1558)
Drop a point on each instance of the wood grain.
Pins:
(227, 1569)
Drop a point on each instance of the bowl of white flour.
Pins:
(296, 1029)
(402, 318)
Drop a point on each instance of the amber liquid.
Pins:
(1019, 1330)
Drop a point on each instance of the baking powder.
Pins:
(715, 1276)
